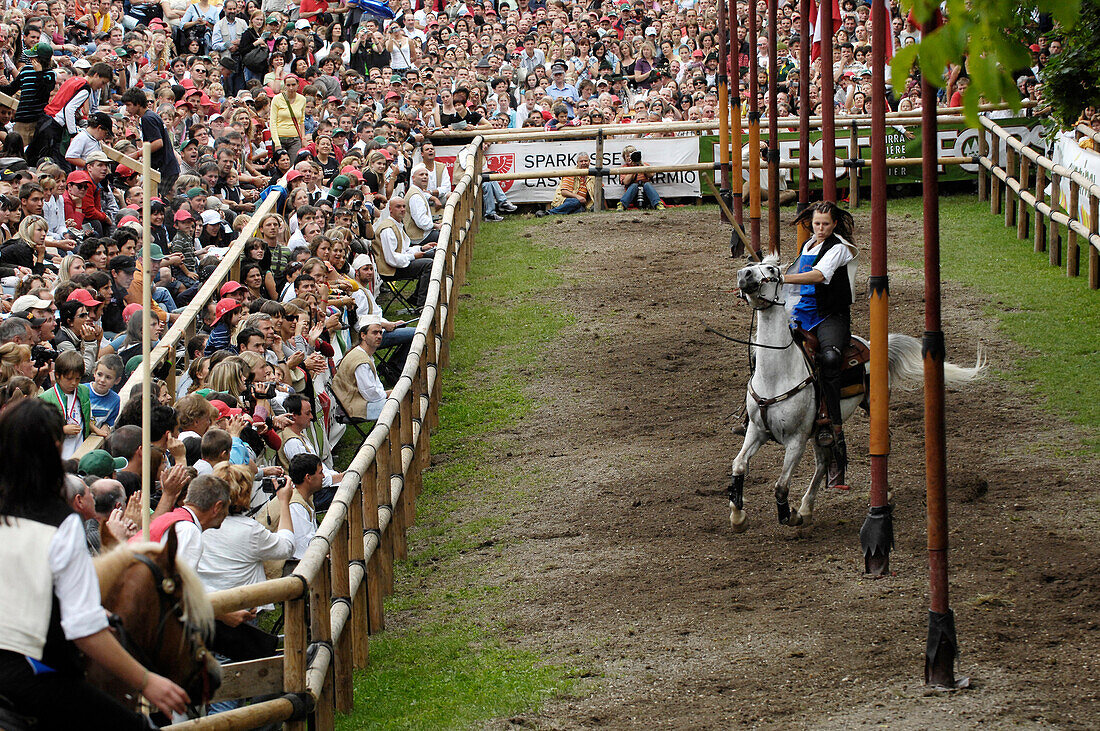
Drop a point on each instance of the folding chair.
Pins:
(341, 416)
(390, 362)
(395, 297)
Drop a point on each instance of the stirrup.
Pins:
(835, 477)
(825, 436)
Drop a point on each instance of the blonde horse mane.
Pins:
(197, 609)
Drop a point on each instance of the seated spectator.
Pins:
(575, 193)
(307, 475)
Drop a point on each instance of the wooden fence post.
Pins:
(382, 491)
(597, 202)
(1094, 255)
(408, 494)
(1010, 168)
(376, 581)
(1022, 209)
(1054, 241)
(343, 651)
(397, 522)
(320, 620)
(983, 175)
(294, 651)
(1073, 251)
(1040, 195)
(360, 623)
(994, 181)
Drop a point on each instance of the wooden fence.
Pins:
(1005, 177)
(332, 601)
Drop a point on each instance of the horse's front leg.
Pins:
(755, 437)
(795, 447)
(805, 515)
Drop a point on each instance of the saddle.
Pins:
(854, 379)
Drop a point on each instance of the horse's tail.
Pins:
(907, 365)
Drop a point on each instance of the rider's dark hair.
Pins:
(32, 486)
(844, 223)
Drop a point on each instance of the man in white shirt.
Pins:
(297, 440)
(307, 474)
(396, 257)
(207, 504)
(439, 182)
(418, 216)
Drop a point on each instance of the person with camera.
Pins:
(637, 181)
(307, 473)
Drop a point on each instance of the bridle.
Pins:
(766, 302)
(170, 608)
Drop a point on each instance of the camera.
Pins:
(264, 390)
(269, 485)
(636, 157)
(42, 354)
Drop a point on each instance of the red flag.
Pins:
(815, 49)
(889, 30)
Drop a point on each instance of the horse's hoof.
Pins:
(784, 510)
(739, 520)
(795, 520)
(805, 525)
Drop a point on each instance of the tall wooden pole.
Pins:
(738, 176)
(773, 127)
(877, 534)
(723, 105)
(804, 42)
(942, 643)
(754, 133)
(828, 120)
(146, 338)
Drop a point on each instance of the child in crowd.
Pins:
(105, 401)
(227, 314)
(72, 398)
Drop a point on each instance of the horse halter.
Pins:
(774, 300)
(170, 607)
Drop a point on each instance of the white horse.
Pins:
(782, 402)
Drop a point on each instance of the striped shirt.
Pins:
(36, 88)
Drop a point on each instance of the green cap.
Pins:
(272, 19)
(194, 192)
(340, 183)
(42, 49)
(155, 252)
(100, 463)
(132, 365)
(397, 79)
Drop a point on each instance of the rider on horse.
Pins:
(826, 274)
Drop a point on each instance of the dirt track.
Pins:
(630, 566)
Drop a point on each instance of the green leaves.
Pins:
(987, 37)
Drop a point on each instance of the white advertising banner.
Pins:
(525, 157)
(1085, 162)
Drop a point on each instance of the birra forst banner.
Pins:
(1085, 162)
(955, 140)
(525, 157)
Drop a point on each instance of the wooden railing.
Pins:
(332, 601)
(184, 328)
(1004, 179)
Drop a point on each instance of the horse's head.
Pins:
(166, 618)
(759, 283)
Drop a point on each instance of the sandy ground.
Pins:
(629, 565)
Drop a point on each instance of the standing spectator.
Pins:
(153, 131)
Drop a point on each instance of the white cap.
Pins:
(210, 217)
(214, 203)
(302, 24)
(29, 302)
(368, 320)
(360, 261)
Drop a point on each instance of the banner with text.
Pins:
(1085, 162)
(955, 140)
(524, 157)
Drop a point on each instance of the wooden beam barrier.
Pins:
(128, 161)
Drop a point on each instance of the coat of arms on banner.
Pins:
(503, 163)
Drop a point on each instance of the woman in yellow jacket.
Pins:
(287, 110)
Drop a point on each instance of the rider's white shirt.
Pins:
(834, 259)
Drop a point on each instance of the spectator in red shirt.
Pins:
(76, 187)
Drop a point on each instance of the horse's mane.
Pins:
(197, 609)
(772, 259)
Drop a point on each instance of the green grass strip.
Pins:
(444, 662)
(1037, 305)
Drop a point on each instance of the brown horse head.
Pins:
(166, 618)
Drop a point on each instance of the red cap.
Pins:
(229, 288)
(392, 94)
(206, 101)
(84, 297)
(223, 409)
(129, 311)
(125, 171)
(293, 175)
(129, 219)
(183, 103)
(224, 307)
(386, 153)
(78, 176)
(1035, 48)
(351, 170)
(187, 84)
(182, 215)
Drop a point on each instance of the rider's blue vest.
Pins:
(818, 301)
